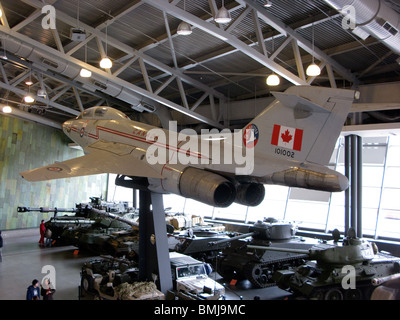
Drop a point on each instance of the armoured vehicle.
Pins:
(115, 279)
(239, 261)
(190, 279)
(97, 226)
(334, 272)
(87, 217)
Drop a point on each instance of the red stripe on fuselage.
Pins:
(133, 137)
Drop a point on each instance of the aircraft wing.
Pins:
(101, 157)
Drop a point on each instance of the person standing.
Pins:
(1, 246)
(47, 235)
(33, 291)
(42, 229)
(47, 291)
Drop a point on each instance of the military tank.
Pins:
(333, 272)
(240, 261)
(109, 234)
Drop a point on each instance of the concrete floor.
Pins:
(23, 261)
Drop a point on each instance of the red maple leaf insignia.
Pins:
(286, 137)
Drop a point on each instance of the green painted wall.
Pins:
(24, 146)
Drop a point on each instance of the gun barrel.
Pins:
(44, 209)
(301, 251)
(379, 281)
(216, 243)
(116, 217)
(73, 221)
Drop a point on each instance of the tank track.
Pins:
(260, 274)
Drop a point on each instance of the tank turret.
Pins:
(238, 260)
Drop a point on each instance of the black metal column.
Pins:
(347, 191)
(359, 186)
(153, 241)
(353, 195)
(144, 233)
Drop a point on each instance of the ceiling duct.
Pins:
(43, 60)
(373, 17)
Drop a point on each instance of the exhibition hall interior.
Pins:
(206, 150)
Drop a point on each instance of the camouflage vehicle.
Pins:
(109, 278)
(347, 272)
(241, 262)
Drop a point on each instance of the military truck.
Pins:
(191, 281)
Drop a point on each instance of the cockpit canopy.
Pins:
(102, 113)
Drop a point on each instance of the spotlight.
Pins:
(313, 70)
(85, 73)
(105, 63)
(184, 29)
(7, 109)
(273, 80)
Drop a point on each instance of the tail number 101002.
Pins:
(283, 152)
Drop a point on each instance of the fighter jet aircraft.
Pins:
(289, 143)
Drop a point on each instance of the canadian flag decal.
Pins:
(287, 137)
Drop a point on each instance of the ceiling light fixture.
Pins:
(84, 72)
(267, 3)
(29, 99)
(184, 28)
(313, 70)
(7, 109)
(42, 93)
(223, 15)
(106, 63)
(273, 80)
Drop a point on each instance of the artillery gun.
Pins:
(238, 260)
(333, 272)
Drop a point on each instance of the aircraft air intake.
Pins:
(207, 187)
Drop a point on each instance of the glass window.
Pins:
(197, 208)
(268, 208)
(372, 176)
(393, 155)
(389, 224)
(369, 221)
(275, 192)
(310, 214)
(175, 202)
(390, 199)
(370, 197)
(233, 212)
(100, 111)
(117, 193)
(392, 177)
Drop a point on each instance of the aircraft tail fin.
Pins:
(302, 124)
